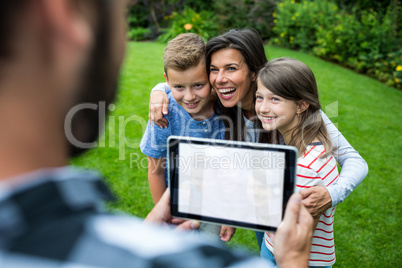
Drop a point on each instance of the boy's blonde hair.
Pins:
(183, 52)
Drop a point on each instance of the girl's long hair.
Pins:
(293, 80)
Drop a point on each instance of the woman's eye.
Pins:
(213, 69)
(232, 69)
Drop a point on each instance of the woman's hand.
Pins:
(158, 106)
(316, 199)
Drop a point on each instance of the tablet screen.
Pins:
(231, 183)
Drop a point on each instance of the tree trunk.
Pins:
(153, 15)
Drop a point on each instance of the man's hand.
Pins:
(316, 199)
(227, 233)
(294, 234)
(161, 214)
(158, 106)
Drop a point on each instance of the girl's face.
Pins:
(275, 112)
(231, 78)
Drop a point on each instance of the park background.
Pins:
(354, 50)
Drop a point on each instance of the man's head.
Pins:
(186, 74)
(54, 55)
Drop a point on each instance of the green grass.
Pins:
(368, 113)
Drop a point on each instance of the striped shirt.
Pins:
(315, 171)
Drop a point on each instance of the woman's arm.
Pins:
(354, 168)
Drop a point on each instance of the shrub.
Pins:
(295, 24)
(232, 14)
(261, 16)
(138, 34)
(363, 40)
(204, 24)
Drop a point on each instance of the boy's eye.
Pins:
(178, 87)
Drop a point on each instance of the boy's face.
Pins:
(191, 90)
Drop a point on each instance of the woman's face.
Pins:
(231, 78)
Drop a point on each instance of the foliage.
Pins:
(199, 5)
(361, 40)
(261, 17)
(138, 34)
(232, 14)
(189, 21)
(295, 24)
(138, 15)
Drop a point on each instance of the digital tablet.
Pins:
(239, 184)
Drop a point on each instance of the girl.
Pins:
(286, 101)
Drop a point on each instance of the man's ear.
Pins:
(66, 23)
(302, 106)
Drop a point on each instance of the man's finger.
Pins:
(292, 210)
(305, 217)
(189, 225)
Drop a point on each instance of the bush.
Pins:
(138, 34)
(295, 24)
(261, 16)
(204, 24)
(363, 40)
(232, 14)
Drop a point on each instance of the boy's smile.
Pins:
(191, 90)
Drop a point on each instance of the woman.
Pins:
(233, 61)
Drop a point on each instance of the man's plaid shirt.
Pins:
(54, 219)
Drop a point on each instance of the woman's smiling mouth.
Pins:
(227, 93)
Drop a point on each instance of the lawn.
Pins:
(368, 113)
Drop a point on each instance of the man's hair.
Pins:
(10, 13)
(183, 52)
(8, 17)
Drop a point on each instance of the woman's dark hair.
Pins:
(249, 43)
(293, 80)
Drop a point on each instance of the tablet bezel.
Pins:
(173, 143)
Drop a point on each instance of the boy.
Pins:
(191, 112)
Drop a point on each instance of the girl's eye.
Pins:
(275, 99)
(198, 85)
(258, 97)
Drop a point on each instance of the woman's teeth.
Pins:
(227, 90)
